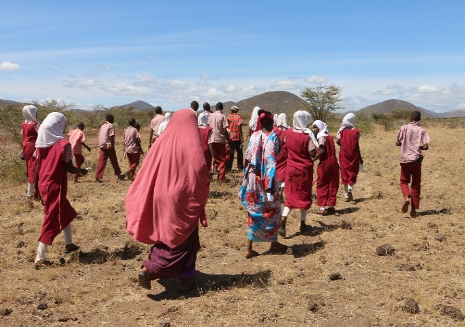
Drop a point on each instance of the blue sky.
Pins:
(110, 53)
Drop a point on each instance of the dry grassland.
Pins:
(98, 286)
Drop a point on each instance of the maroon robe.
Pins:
(299, 171)
(29, 137)
(52, 185)
(328, 176)
(349, 156)
(282, 156)
(205, 132)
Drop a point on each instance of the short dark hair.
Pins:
(416, 115)
(109, 117)
(219, 106)
(137, 126)
(194, 104)
(132, 122)
(206, 106)
(158, 110)
(80, 125)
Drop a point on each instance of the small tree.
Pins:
(322, 100)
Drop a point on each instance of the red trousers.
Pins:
(104, 155)
(78, 161)
(220, 156)
(133, 161)
(411, 171)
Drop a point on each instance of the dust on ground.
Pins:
(332, 276)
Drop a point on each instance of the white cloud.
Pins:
(178, 83)
(9, 66)
(203, 82)
(315, 79)
(285, 85)
(428, 89)
(145, 77)
(205, 77)
(83, 84)
(123, 89)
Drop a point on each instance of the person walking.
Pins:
(235, 123)
(54, 161)
(328, 171)
(29, 130)
(301, 144)
(133, 148)
(281, 128)
(412, 138)
(259, 190)
(166, 201)
(107, 149)
(154, 125)
(350, 154)
(219, 139)
(77, 138)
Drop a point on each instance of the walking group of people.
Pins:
(166, 201)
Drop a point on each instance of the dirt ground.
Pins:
(332, 276)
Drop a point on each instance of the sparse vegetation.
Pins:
(98, 286)
(322, 100)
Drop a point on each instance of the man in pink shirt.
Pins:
(107, 149)
(219, 139)
(77, 138)
(154, 125)
(412, 139)
(133, 148)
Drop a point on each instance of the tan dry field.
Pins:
(98, 286)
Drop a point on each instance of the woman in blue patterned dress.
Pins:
(259, 191)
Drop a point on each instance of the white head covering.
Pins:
(348, 121)
(164, 124)
(203, 118)
(29, 113)
(275, 119)
(301, 120)
(323, 131)
(254, 117)
(51, 130)
(281, 120)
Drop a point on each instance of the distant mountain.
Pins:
(275, 102)
(8, 102)
(388, 106)
(454, 113)
(138, 105)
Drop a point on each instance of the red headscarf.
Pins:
(167, 198)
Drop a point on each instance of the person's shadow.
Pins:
(434, 212)
(210, 283)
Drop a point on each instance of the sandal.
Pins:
(144, 281)
(190, 287)
(71, 247)
(251, 254)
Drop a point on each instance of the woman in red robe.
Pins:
(301, 144)
(29, 129)
(281, 128)
(54, 160)
(350, 155)
(328, 171)
(166, 201)
(205, 131)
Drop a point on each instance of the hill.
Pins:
(138, 105)
(8, 102)
(388, 106)
(275, 102)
